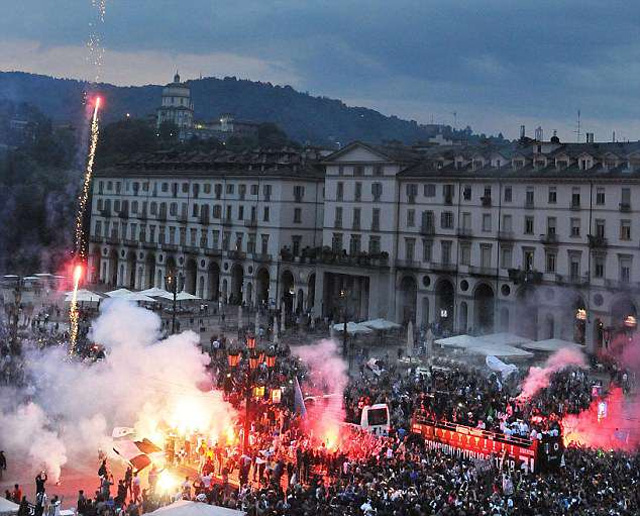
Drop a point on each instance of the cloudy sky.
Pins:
(496, 63)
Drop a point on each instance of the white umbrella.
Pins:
(83, 296)
(155, 292)
(459, 341)
(121, 292)
(551, 345)
(499, 350)
(188, 508)
(180, 296)
(380, 324)
(410, 341)
(352, 328)
(508, 339)
(139, 297)
(7, 507)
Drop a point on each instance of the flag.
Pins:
(121, 431)
(136, 453)
(298, 400)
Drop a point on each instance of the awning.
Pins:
(352, 328)
(121, 292)
(381, 324)
(181, 296)
(187, 508)
(551, 345)
(459, 341)
(499, 351)
(507, 339)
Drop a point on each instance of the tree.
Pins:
(168, 132)
(124, 138)
(270, 135)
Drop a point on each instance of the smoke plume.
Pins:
(539, 377)
(70, 407)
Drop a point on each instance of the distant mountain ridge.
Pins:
(319, 120)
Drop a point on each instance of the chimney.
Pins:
(522, 132)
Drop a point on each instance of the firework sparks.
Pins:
(73, 309)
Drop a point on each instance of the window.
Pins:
(625, 230)
(340, 191)
(410, 249)
(528, 259)
(172, 234)
(298, 193)
(551, 226)
(378, 170)
(374, 245)
(506, 258)
(550, 262)
(625, 268)
(296, 240)
(375, 219)
(598, 267)
(600, 197)
(185, 187)
(575, 198)
(100, 187)
(508, 194)
(266, 192)
(412, 191)
(553, 195)
(264, 244)
(600, 233)
(226, 238)
(251, 243)
(207, 188)
(625, 198)
(165, 187)
(448, 192)
(173, 208)
(338, 217)
(336, 242)
(356, 218)
(411, 218)
(218, 190)
(465, 254)
(507, 224)
(297, 215)
(487, 192)
(358, 171)
(575, 227)
(196, 189)
(466, 193)
(354, 245)
(358, 192)
(194, 212)
(427, 247)
(99, 205)
(485, 256)
(466, 220)
(109, 185)
(242, 191)
(428, 221)
(486, 222)
(98, 228)
(446, 220)
(574, 266)
(240, 212)
(238, 246)
(253, 214)
(528, 225)
(376, 191)
(265, 214)
(217, 211)
(341, 170)
(254, 189)
(445, 248)
(529, 198)
(230, 188)
(430, 190)
(116, 205)
(228, 216)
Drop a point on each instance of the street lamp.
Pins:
(254, 361)
(171, 282)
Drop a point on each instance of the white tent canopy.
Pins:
(7, 507)
(139, 297)
(498, 351)
(121, 292)
(187, 508)
(84, 296)
(459, 341)
(505, 339)
(154, 292)
(352, 328)
(551, 345)
(380, 324)
(180, 296)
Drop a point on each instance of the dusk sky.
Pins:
(497, 63)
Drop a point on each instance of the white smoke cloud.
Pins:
(539, 377)
(70, 408)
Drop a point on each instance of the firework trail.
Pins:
(96, 52)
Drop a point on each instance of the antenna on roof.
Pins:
(577, 131)
(613, 137)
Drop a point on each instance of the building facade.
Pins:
(536, 238)
(176, 107)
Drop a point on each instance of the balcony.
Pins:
(213, 251)
(130, 242)
(149, 245)
(574, 206)
(442, 267)
(191, 249)
(251, 223)
(427, 229)
(482, 271)
(236, 255)
(408, 264)
(549, 239)
(261, 257)
(486, 201)
(519, 276)
(597, 241)
(448, 199)
(169, 247)
(465, 233)
(96, 239)
(114, 240)
(577, 280)
(625, 207)
(505, 235)
(529, 204)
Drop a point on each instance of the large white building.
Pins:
(537, 238)
(176, 107)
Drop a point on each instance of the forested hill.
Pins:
(319, 120)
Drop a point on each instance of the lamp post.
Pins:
(254, 359)
(171, 282)
(345, 299)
